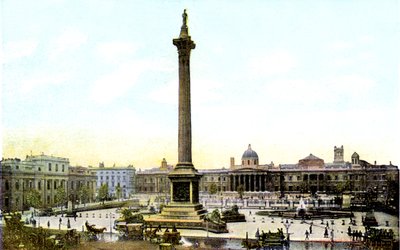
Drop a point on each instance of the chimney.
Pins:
(232, 162)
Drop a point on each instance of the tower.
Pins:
(338, 158)
(184, 178)
(184, 210)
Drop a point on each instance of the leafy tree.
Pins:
(240, 190)
(118, 191)
(33, 198)
(61, 196)
(84, 193)
(392, 197)
(213, 188)
(342, 186)
(103, 192)
(304, 187)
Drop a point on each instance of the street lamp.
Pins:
(287, 226)
(110, 224)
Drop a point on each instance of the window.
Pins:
(39, 185)
(56, 167)
(290, 178)
(336, 177)
(39, 169)
(16, 167)
(49, 166)
(17, 185)
(55, 184)
(62, 167)
(48, 185)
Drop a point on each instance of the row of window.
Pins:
(56, 167)
(211, 178)
(112, 177)
(111, 172)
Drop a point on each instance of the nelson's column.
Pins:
(184, 211)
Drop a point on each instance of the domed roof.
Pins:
(249, 153)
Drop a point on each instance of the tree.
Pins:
(240, 190)
(304, 187)
(61, 196)
(33, 198)
(103, 192)
(84, 193)
(118, 191)
(213, 188)
(392, 193)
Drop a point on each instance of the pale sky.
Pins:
(97, 81)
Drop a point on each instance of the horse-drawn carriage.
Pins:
(155, 235)
(268, 239)
(130, 231)
(92, 232)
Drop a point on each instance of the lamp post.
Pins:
(287, 226)
(110, 224)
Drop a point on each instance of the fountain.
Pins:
(301, 209)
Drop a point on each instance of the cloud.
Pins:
(340, 45)
(114, 51)
(68, 41)
(19, 49)
(38, 81)
(274, 63)
(316, 91)
(113, 85)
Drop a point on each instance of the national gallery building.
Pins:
(309, 175)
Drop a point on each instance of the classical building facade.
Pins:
(81, 184)
(309, 175)
(154, 180)
(114, 177)
(42, 172)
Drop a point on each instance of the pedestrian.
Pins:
(307, 234)
(349, 231)
(68, 224)
(60, 220)
(249, 212)
(48, 224)
(332, 234)
(310, 229)
(326, 233)
(75, 217)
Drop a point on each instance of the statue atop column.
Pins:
(184, 28)
(184, 17)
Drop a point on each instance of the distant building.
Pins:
(154, 180)
(310, 175)
(81, 182)
(123, 177)
(42, 172)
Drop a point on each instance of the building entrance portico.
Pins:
(254, 181)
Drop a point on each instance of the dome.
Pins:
(249, 153)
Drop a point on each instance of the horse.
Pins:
(94, 230)
(151, 234)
